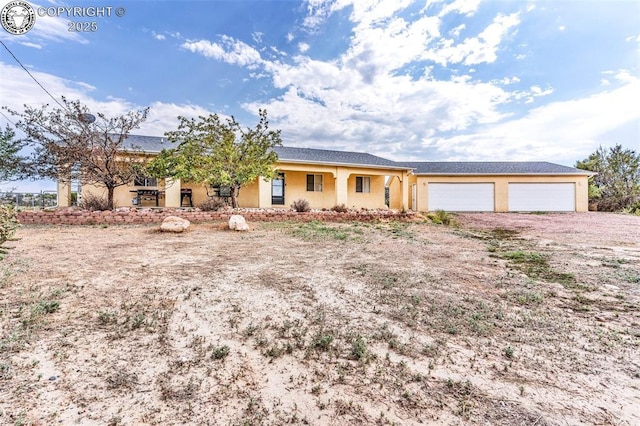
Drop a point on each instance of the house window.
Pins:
(363, 184)
(314, 183)
(145, 181)
(221, 191)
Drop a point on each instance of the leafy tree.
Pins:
(211, 151)
(617, 184)
(70, 139)
(12, 164)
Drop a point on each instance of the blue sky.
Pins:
(417, 80)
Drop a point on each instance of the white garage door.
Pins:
(461, 197)
(542, 197)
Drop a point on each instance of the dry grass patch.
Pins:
(382, 323)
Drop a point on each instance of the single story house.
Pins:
(326, 178)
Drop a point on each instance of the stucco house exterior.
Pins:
(326, 178)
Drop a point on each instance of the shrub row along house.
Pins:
(328, 178)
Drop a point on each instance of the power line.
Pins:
(31, 75)
(8, 119)
(14, 124)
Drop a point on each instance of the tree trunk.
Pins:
(110, 191)
(235, 191)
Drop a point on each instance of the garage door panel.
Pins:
(548, 197)
(461, 197)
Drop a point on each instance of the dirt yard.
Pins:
(508, 319)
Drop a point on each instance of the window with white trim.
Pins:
(363, 184)
(314, 183)
(145, 181)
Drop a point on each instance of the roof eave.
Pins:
(503, 174)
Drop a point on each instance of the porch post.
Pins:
(172, 192)
(405, 190)
(342, 186)
(64, 191)
(264, 193)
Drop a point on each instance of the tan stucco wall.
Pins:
(370, 200)
(249, 196)
(501, 187)
(339, 187)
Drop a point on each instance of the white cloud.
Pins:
(34, 45)
(480, 49)
(455, 32)
(158, 36)
(303, 47)
(462, 7)
(229, 50)
(23, 90)
(557, 131)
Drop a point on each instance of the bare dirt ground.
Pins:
(509, 319)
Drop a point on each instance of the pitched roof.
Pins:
(289, 154)
(492, 168)
(154, 144)
(147, 144)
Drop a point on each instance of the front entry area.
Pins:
(277, 190)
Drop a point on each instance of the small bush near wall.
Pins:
(301, 206)
(212, 205)
(94, 202)
(340, 208)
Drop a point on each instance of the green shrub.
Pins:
(301, 206)
(441, 217)
(634, 208)
(8, 223)
(220, 352)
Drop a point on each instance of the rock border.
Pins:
(138, 216)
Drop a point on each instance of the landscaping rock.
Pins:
(174, 224)
(237, 222)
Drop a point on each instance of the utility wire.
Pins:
(7, 118)
(31, 75)
(14, 124)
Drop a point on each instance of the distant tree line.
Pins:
(616, 186)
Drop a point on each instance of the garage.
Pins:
(542, 197)
(461, 197)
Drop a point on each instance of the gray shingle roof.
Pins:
(154, 144)
(492, 168)
(149, 144)
(324, 156)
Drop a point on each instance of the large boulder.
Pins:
(174, 224)
(237, 222)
